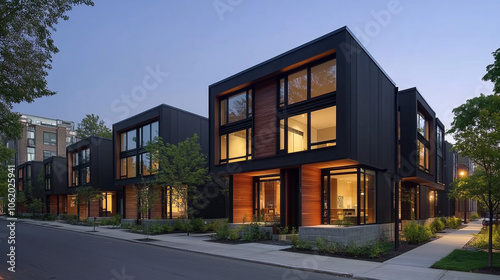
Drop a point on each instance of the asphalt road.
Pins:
(51, 253)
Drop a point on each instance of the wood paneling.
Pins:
(130, 202)
(242, 198)
(265, 119)
(53, 204)
(62, 204)
(94, 209)
(311, 196)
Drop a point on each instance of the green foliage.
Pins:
(181, 166)
(92, 126)
(474, 216)
(156, 228)
(48, 217)
(481, 239)
(148, 196)
(66, 217)
(114, 221)
(436, 225)
(253, 232)
(302, 245)
(283, 230)
(343, 223)
(26, 49)
(322, 244)
(198, 225)
(462, 260)
(415, 233)
(36, 206)
(493, 72)
(453, 222)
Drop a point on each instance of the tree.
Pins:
(476, 130)
(92, 126)
(26, 49)
(181, 167)
(6, 156)
(86, 195)
(493, 72)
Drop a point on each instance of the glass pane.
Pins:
(323, 127)
(270, 200)
(282, 92)
(249, 102)
(249, 141)
(343, 198)
(237, 107)
(237, 144)
(297, 133)
(146, 134)
(223, 147)
(131, 169)
(324, 78)
(155, 130)
(282, 134)
(370, 197)
(297, 87)
(146, 164)
(223, 113)
(131, 140)
(123, 167)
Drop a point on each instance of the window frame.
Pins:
(281, 104)
(49, 141)
(286, 129)
(249, 92)
(248, 150)
(52, 154)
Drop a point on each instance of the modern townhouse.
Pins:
(132, 165)
(55, 184)
(422, 157)
(90, 164)
(308, 139)
(28, 184)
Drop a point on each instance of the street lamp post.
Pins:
(462, 174)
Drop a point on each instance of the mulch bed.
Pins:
(403, 248)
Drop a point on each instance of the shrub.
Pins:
(436, 225)
(234, 234)
(453, 222)
(415, 233)
(294, 239)
(474, 216)
(283, 230)
(158, 228)
(198, 225)
(481, 239)
(322, 244)
(378, 248)
(304, 245)
(222, 232)
(49, 217)
(253, 232)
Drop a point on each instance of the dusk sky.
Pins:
(108, 52)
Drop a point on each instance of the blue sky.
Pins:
(120, 58)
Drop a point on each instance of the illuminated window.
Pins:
(423, 156)
(267, 199)
(176, 202)
(236, 146)
(322, 127)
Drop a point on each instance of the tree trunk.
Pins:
(490, 238)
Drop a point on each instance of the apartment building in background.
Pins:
(42, 138)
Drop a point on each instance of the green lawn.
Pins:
(462, 260)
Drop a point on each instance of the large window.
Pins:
(422, 125)
(85, 156)
(47, 154)
(236, 107)
(267, 199)
(31, 154)
(236, 146)
(149, 132)
(440, 169)
(320, 124)
(440, 138)
(349, 196)
(308, 83)
(128, 140)
(128, 167)
(47, 181)
(423, 156)
(30, 135)
(50, 138)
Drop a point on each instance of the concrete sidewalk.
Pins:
(411, 265)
